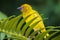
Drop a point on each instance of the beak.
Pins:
(19, 8)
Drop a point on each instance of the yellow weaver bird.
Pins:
(26, 10)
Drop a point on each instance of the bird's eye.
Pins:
(21, 8)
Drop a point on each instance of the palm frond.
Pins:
(9, 26)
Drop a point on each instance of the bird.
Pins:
(26, 10)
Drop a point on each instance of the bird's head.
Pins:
(25, 8)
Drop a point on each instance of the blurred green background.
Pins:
(50, 9)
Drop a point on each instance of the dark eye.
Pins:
(20, 8)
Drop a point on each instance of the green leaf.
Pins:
(13, 28)
(56, 38)
(27, 24)
(21, 23)
(51, 35)
(31, 28)
(41, 35)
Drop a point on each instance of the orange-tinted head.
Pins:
(25, 8)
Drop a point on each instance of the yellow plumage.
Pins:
(26, 10)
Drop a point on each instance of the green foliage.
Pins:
(9, 26)
(2, 15)
(56, 38)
